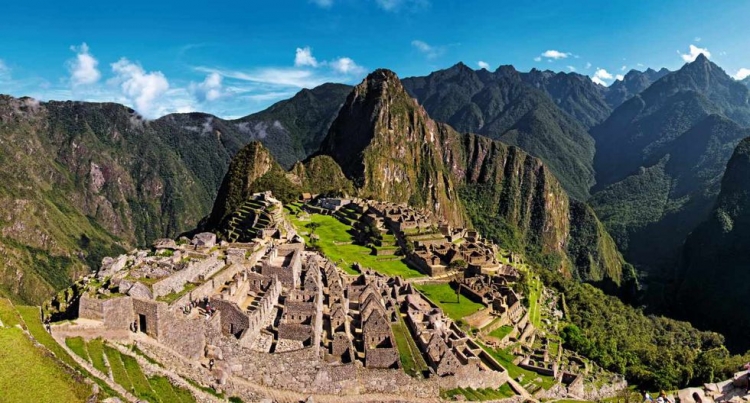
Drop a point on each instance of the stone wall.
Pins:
(186, 336)
(91, 308)
(150, 310)
(194, 270)
(234, 322)
(118, 313)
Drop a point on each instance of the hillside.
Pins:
(507, 105)
(715, 258)
(632, 84)
(382, 136)
(660, 157)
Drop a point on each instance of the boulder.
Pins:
(141, 291)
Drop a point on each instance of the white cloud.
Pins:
(304, 57)
(428, 50)
(83, 69)
(697, 38)
(322, 3)
(345, 65)
(588, 65)
(571, 68)
(288, 77)
(483, 65)
(600, 75)
(397, 5)
(140, 87)
(623, 68)
(555, 54)
(209, 90)
(742, 74)
(538, 59)
(694, 52)
(619, 77)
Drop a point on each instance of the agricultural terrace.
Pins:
(335, 240)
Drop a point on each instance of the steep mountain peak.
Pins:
(506, 71)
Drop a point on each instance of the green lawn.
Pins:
(8, 314)
(27, 374)
(411, 359)
(445, 297)
(78, 346)
(119, 374)
(96, 353)
(479, 395)
(535, 291)
(138, 379)
(501, 331)
(529, 377)
(30, 316)
(332, 231)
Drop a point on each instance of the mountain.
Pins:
(85, 180)
(715, 259)
(503, 106)
(746, 81)
(633, 83)
(391, 149)
(292, 129)
(574, 93)
(660, 157)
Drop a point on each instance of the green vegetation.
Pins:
(78, 346)
(652, 352)
(96, 353)
(27, 374)
(445, 297)
(119, 374)
(501, 331)
(336, 242)
(140, 384)
(411, 359)
(479, 395)
(8, 314)
(531, 380)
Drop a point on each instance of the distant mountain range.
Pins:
(648, 154)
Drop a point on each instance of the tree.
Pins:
(313, 226)
(457, 266)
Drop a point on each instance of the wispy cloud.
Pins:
(571, 68)
(588, 65)
(742, 74)
(304, 57)
(483, 65)
(398, 5)
(600, 76)
(208, 90)
(693, 53)
(345, 65)
(555, 54)
(83, 68)
(4, 71)
(426, 49)
(142, 88)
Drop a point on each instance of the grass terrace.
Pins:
(411, 359)
(479, 395)
(336, 242)
(531, 380)
(445, 297)
(501, 331)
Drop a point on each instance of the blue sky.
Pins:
(231, 58)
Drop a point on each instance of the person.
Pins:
(648, 397)
(47, 326)
(662, 397)
(211, 364)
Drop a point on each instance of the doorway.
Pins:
(142, 323)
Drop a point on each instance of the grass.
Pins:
(174, 296)
(332, 231)
(210, 391)
(445, 297)
(140, 383)
(502, 392)
(96, 353)
(505, 359)
(8, 314)
(501, 331)
(30, 316)
(119, 374)
(27, 374)
(535, 291)
(78, 346)
(411, 359)
(163, 388)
